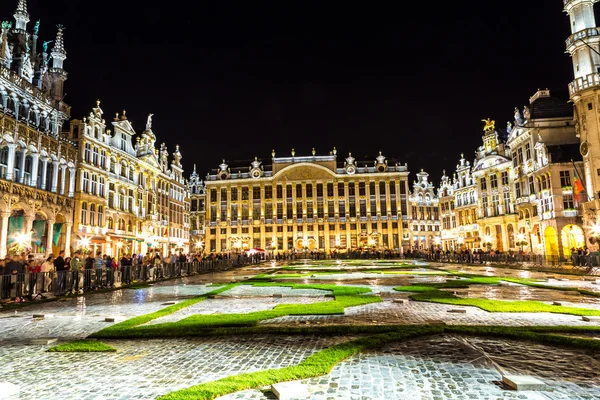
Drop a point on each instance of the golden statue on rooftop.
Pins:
(490, 125)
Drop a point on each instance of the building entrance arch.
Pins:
(551, 242)
(572, 238)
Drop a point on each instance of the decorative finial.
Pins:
(273, 153)
(149, 122)
(116, 116)
(379, 153)
(462, 155)
(350, 154)
(293, 152)
(124, 116)
(313, 151)
(97, 103)
(334, 151)
(444, 171)
(194, 168)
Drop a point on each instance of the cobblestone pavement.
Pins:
(454, 367)
(146, 369)
(414, 312)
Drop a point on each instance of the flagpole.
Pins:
(581, 180)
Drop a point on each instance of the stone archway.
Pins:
(551, 242)
(572, 238)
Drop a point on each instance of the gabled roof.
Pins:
(550, 107)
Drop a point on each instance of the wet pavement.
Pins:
(431, 368)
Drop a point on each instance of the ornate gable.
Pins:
(298, 172)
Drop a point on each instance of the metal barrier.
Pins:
(38, 285)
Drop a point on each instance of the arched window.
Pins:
(420, 197)
(124, 170)
(3, 162)
(121, 224)
(103, 159)
(28, 170)
(86, 182)
(100, 215)
(122, 202)
(111, 223)
(92, 214)
(111, 199)
(97, 132)
(84, 213)
(87, 152)
(113, 162)
(129, 226)
(131, 174)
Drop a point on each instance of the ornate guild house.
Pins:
(307, 203)
(130, 198)
(37, 163)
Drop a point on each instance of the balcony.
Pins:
(584, 34)
(579, 84)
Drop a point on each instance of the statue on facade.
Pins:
(509, 127)
(6, 25)
(149, 122)
(36, 28)
(490, 125)
(526, 113)
(518, 117)
(45, 45)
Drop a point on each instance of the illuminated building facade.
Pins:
(491, 173)
(424, 222)
(197, 191)
(545, 159)
(584, 45)
(307, 203)
(449, 233)
(37, 164)
(130, 198)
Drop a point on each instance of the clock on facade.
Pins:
(584, 148)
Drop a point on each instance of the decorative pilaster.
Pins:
(50, 224)
(69, 226)
(3, 232)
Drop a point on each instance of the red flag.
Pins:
(578, 188)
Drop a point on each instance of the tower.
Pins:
(21, 16)
(58, 74)
(584, 47)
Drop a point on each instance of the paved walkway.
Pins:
(435, 369)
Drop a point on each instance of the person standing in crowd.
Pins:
(98, 266)
(110, 272)
(59, 267)
(15, 268)
(47, 274)
(76, 267)
(126, 263)
(89, 266)
(34, 267)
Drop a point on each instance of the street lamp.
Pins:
(460, 241)
(438, 242)
(595, 234)
(521, 240)
(487, 241)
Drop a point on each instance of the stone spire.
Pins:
(58, 52)
(21, 15)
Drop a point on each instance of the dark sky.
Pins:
(235, 79)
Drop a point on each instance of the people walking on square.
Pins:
(77, 271)
(98, 267)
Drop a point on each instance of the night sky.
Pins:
(235, 79)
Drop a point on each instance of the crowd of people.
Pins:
(24, 277)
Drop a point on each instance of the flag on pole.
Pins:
(578, 188)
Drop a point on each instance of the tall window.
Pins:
(340, 189)
(87, 152)
(84, 213)
(86, 182)
(101, 187)
(94, 184)
(493, 181)
(92, 214)
(123, 142)
(28, 170)
(531, 183)
(4, 162)
(483, 184)
(95, 156)
(568, 203)
(103, 159)
(505, 178)
(527, 151)
(565, 178)
(100, 215)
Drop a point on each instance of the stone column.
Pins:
(3, 232)
(50, 224)
(72, 183)
(54, 184)
(28, 223)
(69, 226)
(10, 170)
(44, 173)
(34, 169)
(63, 177)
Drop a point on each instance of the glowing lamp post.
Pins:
(487, 242)
(438, 242)
(521, 240)
(460, 241)
(595, 234)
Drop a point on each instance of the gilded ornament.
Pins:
(490, 125)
